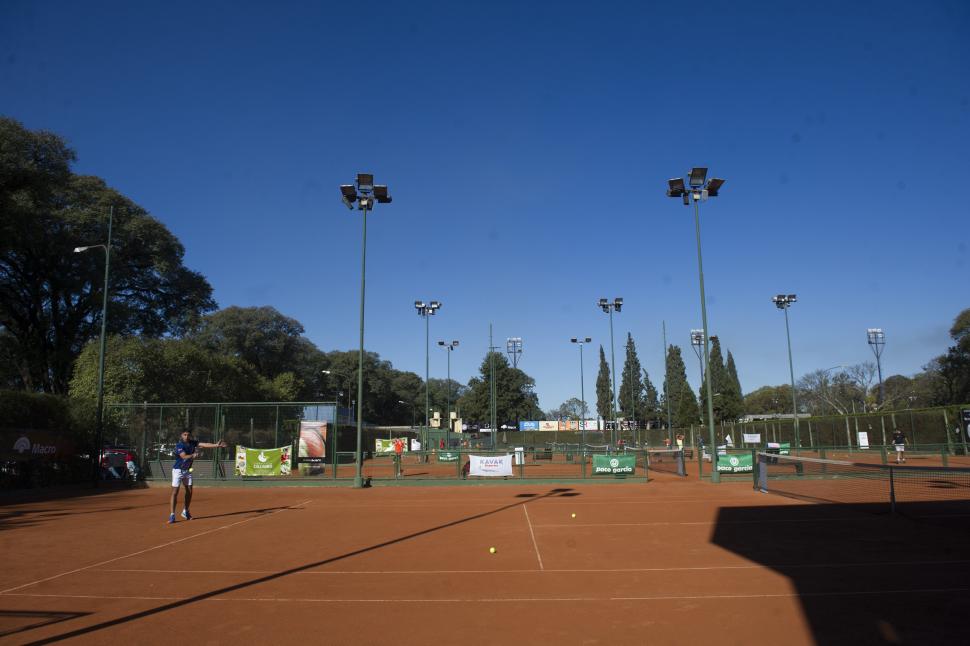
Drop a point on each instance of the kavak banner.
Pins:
(611, 465)
(263, 462)
(490, 465)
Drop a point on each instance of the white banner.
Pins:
(548, 425)
(752, 438)
(863, 440)
(490, 465)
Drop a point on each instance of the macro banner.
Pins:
(312, 450)
(490, 465)
(735, 463)
(263, 462)
(614, 465)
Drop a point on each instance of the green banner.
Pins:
(447, 456)
(735, 463)
(261, 462)
(607, 465)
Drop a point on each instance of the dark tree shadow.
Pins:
(29, 619)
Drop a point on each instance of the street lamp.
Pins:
(449, 347)
(609, 307)
(783, 302)
(342, 374)
(95, 467)
(426, 310)
(581, 341)
(700, 189)
(400, 401)
(364, 195)
(877, 341)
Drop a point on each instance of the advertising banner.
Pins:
(448, 456)
(387, 446)
(781, 448)
(735, 463)
(312, 450)
(263, 462)
(490, 465)
(569, 425)
(752, 438)
(610, 465)
(549, 425)
(591, 425)
(528, 426)
(863, 439)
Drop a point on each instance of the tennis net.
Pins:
(880, 487)
(666, 460)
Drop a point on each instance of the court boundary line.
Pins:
(533, 534)
(151, 549)
(683, 597)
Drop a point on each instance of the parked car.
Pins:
(119, 463)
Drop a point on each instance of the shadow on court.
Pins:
(863, 576)
(308, 566)
(17, 621)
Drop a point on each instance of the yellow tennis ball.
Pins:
(191, 469)
(491, 550)
(574, 514)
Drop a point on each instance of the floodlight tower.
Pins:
(449, 347)
(783, 302)
(877, 341)
(364, 195)
(426, 311)
(700, 189)
(697, 343)
(608, 307)
(513, 347)
(580, 341)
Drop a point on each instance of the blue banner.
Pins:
(528, 426)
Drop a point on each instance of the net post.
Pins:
(892, 492)
(681, 465)
(945, 454)
(882, 452)
(756, 470)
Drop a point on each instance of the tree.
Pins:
(572, 408)
(683, 405)
(604, 392)
(952, 370)
(733, 404)
(651, 403)
(50, 298)
(631, 385)
(721, 385)
(515, 397)
(768, 400)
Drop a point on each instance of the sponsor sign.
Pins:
(549, 425)
(863, 440)
(528, 426)
(735, 463)
(415, 444)
(591, 425)
(36, 445)
(606, 465)
(387, 446)
(447, 456)
(263, 462)
(752, 438)
(490, 465)
(569, 425)
(781, 448)
(312, 449)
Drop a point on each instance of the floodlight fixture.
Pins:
(697, 177)
(348, 195)
(418, 304)
(713, 186)
(365, 182)
(380, 194)
(676, 187)
(697, 337)
(617, 304)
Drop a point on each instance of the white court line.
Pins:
(770, 566)
(150, 549)
(836, 519)
(534, 544)
(684, 597)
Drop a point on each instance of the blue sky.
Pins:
(527, 147)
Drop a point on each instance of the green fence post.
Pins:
(756, 465)
(946, 432)
(945, 454)
(885, 457)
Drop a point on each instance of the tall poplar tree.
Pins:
(683, 404)
(604, 397)
(735, 403)
(631, 402)
(719, 383)
(651, 403)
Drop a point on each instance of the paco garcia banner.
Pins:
(607, 465)
(447, 456)
(263, 462)
(735, 463)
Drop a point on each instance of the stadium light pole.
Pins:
(877, 341)
(364, 195)
(95, 467)
(697, 343)
(698, 189)
(670, 431)
(426, 310)
(401, 401)
(449, 347)
(580, 341)
(608, 308)
(783, 302)
(513, 347)
(342, 374)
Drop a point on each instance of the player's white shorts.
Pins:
(181, 475)
(900, 448)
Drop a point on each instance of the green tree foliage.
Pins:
(768, 400)
(683, 404)
(515, 398)
(50, 298)
(572, 408)
(952, 370)
(734, 398)
(631, 404)
(604, 394)
(651, 403)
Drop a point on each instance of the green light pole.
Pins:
(670, 431)
(783, 302)
(364, 195)
(449, 347)
(427, 310)
(608, 307)
(698, 189)
(95, 469)
(581, 341)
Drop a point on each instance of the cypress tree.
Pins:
(631, 402)
(736, 397)
(720, 383)
(651, 404)
(683, 404)
(604, 397)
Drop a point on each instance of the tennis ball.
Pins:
(574, 514)
(491, 550)
(191, 469)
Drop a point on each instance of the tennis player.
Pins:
(899, 440)
(185, 452)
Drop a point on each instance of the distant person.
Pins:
(667, 443)
(441, 444)
(185, 452)
(680, 441)
(899, 441)
(398, 452)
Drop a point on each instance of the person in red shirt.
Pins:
(398, 452)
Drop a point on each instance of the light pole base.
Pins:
(358, 482)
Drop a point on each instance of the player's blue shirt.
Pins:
(184, 447)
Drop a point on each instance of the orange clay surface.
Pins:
(672, 561)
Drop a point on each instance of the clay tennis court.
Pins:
(672, 561)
